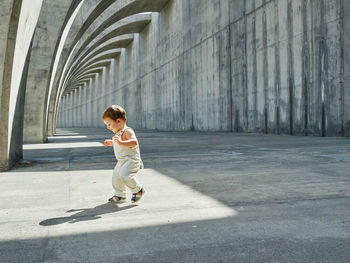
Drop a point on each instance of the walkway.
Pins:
(211, 197)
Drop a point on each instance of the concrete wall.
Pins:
(249, 66)
(18, 22)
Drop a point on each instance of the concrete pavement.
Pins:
(211, 197)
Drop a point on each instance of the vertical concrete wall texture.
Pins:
(264, 66)
(18, 22)
(345, 53)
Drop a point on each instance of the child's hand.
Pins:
(108, 143)
(116, 139)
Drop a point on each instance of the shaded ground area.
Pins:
(211, 197)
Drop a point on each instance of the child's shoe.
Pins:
(117, 199)
(136, 197)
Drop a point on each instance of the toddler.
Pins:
(127, 152)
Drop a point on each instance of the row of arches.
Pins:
(277, 66)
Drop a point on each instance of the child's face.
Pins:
(113, 125)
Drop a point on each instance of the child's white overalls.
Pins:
(129, 163)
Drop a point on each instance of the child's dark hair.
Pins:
(114, 112)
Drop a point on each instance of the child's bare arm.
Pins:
(128, 139)
(108, 143)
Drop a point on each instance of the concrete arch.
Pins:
(91, 74)
(117, 42)
(103, 63)
(94, 58)
(73, 82)
(9, 24)
(128, 25)
(119, 11)
(101, 57)
(87, 73)
(114, 37)
(18, 20)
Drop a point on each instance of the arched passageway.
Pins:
(275, 67)
(254, 69)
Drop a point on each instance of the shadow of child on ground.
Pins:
(85, 214)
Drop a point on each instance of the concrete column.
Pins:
(90, 102)
(148, 65)
(100, 103)
(66, 121)
(84, 108)
(118, 91)
(112, 83)
(60, 114)
(71, 98)
(105, 97)
(100, 97)
(79, 109)
(63, 112)
(95, 99)
(65, 117)
(59, 117)
(17, 25)
(82, 105)
(102, 100)
(85, 98)
(346, 70)
(75, 109)
(67, 110)
(64, 106)
(72, 108)
(125, 91)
